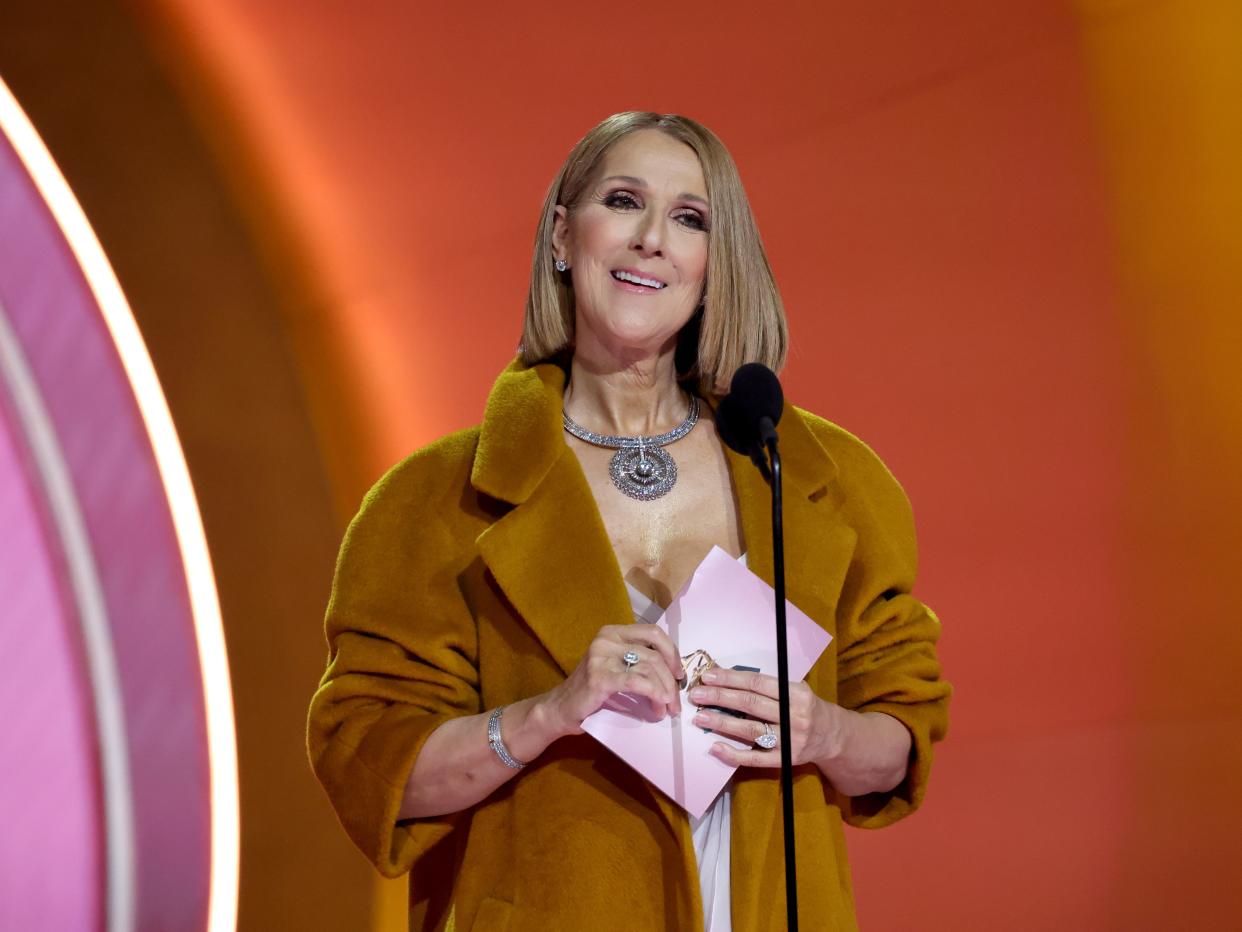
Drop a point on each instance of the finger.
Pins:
(609, 674)
(671, 686)
(653, 637)
(656, 640)
(745, 757)
(651, 682)
(658, 667)
(646, 656)
(651, 664)
(744, 729)
(747, 680)
(744, 701)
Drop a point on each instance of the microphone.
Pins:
(746, 421)
(746, 418)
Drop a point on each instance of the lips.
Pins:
(632, 277)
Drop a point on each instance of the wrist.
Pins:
(869, 754)
(557, 712)
(836, 728)
(530, 726)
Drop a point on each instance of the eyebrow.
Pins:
(639, 183)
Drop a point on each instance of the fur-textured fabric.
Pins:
(477, 572)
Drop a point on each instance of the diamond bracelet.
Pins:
(498, 744)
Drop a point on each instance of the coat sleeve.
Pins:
(402, 660)
(886, 637)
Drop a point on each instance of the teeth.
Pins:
(630, 277)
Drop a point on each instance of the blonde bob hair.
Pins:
(742, 318)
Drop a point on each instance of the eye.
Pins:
(692, 219)
(621, 200)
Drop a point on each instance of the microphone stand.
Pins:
(768, 433)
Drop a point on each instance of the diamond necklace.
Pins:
(641, 467)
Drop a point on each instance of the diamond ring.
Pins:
(767, 740)
(630, 657)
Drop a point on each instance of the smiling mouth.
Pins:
(623, 276)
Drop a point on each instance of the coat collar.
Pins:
(522, 437)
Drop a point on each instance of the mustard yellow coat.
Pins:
(477, 572)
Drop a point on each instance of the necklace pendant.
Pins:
(643, 473)
(641, 468)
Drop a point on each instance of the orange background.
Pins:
(1007, 236)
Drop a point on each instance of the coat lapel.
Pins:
(550, 554)
(818, 545)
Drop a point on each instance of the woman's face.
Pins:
(636, 245)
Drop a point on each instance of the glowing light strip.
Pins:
(92, 612)
(187, 522)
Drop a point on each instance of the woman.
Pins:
(486, 593)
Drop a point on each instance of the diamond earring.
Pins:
(561, 265)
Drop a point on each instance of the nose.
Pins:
(649, 237)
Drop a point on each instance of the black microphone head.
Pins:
(730, 426)
(748, 415)
(758, 394)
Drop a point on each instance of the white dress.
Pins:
(711, 831)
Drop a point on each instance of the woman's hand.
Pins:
(859, 752)
(812, 726)
(457, 768)
(602, 673)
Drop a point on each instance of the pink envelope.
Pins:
(728, 611)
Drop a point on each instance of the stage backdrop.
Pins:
(1007, 237)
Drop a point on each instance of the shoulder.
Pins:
(438, 463)
(421, 486)
(870, 495)
(858, 465)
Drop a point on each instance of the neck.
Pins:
(629, 396)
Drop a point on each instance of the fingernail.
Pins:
(702, 719)
(709, 676)
(698, 693)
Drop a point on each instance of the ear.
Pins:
(560, 233)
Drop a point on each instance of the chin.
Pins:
(635, 333)
(653, 326)
(643, 337)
